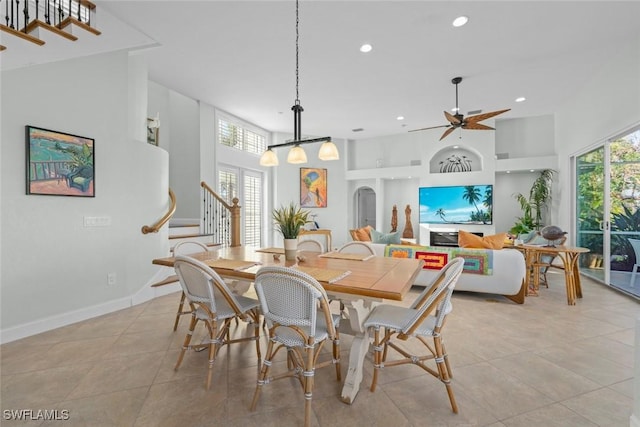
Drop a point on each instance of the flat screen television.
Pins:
(461, 204)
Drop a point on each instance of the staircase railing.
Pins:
(146, 229)
(21, 18)
(219, 218)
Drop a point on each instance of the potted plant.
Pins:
(534, 205)
(289, 220)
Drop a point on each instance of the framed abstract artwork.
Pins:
(59, 164)
(313, 188)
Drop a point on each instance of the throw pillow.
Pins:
(387, 239)
(471, 241)
(361, 234)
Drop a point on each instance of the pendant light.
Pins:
(297, 155)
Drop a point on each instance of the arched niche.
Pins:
(453, 160)
(364, 200)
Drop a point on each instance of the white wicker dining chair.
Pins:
(296, 309)
(424, 319)
(310, 245)
(215, 305)
(357, 248)
(185, 247)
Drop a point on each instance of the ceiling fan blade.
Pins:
(452, 119)
(476, 126)
(484, 116)
(432, 127)
(446, 133)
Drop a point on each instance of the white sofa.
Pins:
(507, 278)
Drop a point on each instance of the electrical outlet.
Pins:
(111, 279)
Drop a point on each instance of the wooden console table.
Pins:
(569, 256)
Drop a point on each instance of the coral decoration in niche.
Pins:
(455, 163)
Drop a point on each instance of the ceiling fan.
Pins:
(457, 120)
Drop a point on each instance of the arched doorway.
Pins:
(365, 201)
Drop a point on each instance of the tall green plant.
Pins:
(289, 220)
(538, 201)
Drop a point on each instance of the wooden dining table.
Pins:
(359, 282)
(569, 256)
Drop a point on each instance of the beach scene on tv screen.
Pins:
(468, 204)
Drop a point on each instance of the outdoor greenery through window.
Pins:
(620, 173)
(237, 136)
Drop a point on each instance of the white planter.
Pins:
(290, 249)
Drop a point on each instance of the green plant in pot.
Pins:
(534, 206)
(288, 221)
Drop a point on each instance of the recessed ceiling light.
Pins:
(400, 118)
(455, 147)
(508, 171)
(460, 21)
(455, 109)
(521, 99)
(365, 48)
(531, 170)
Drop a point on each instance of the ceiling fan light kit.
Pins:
(458, 120)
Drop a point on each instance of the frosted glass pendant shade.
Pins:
(328, 151)
(297, 155)
(269, 158)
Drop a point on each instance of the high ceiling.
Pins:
(240, 56)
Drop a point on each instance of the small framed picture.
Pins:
(153, 131)
(313, 188)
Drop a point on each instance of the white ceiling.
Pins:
(240, 56)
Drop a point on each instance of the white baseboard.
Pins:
(64, 319)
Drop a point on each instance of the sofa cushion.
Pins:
(386, 238)
(361, 234)
(470, 240)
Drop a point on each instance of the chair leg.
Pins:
(212, 326)
(336, 355)
(377, 357)
(256, 333)
(445, 356)
(263, 375)
(443, 371)
(308, 375)
(180, 312)
(187, 341)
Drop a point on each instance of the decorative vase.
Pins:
(290, 249)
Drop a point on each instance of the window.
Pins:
(252, 210)
(230, 181)
(239, 137)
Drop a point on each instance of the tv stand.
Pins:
(447, 238)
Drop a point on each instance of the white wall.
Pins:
(286, 188)
(179, 135)
(54, 270)
(528, 137)
(606, 106)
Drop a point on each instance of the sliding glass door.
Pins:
(608, 212)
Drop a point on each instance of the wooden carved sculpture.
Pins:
(394, 219)
(408, 228)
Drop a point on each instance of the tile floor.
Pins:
(539, 364)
